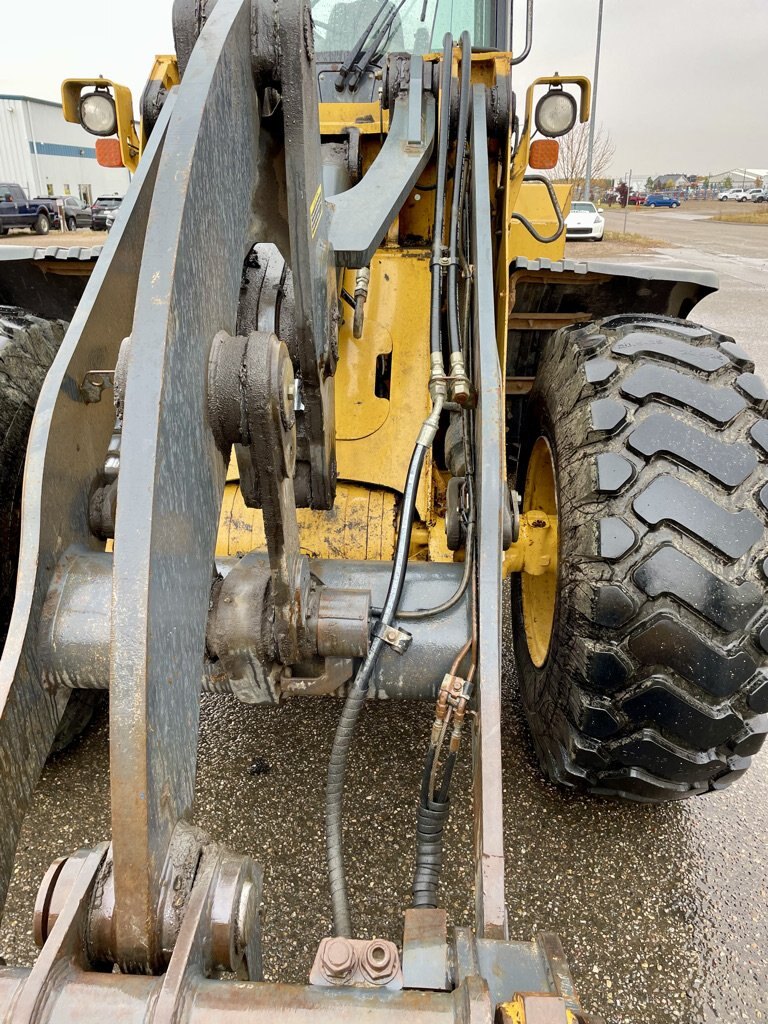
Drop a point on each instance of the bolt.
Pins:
(338, 960)
(379, 962)
(391, 634)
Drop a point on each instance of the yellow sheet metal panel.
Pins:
(398, 308)
(368, 118)
(361, 525)
(534, 203)
(359, 412)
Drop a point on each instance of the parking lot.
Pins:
(663, 912)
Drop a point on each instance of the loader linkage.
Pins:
(144, 927)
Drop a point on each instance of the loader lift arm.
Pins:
(163, 902)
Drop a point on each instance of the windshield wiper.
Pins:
(357, 61)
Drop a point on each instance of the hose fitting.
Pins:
(362, 280)
(461, 391)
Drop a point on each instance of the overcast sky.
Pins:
(683, 83)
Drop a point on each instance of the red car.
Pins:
(636, 199)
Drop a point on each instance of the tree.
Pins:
(649, 184)
(758, 182)
(572, 163)
(727, 183)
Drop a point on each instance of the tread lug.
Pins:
(608, 415)
(607, 673)
(670, 642)
(737, 355)
(681, 352)
(616, 538)
(612, 606)
(719, 404)
(676, 712)
(660, 433)
(759, 434)
(758, 697)
(726, 605)
(600, 371)
(667, 499)
(754, 387)
(613, 472)
(649, 751)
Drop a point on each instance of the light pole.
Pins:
(591, 143)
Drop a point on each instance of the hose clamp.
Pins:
(398, 639)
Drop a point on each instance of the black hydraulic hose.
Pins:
(413, 614)
(431, 819)
(440, 181)
(454, 335)
(356, 699)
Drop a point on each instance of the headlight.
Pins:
(97, 113)
(555, 113)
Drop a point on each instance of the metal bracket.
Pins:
(363, 214)
(95, 383)
(398, 639)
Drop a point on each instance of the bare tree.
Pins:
(572, 164)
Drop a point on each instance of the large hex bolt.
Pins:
(338, 960)
(379, 962)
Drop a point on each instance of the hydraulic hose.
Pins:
(454, 335)
(440, 182)
(356, 698)
(413, 614)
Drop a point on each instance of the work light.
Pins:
(555, 113)
(97, 113)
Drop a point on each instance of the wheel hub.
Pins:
(538, 544)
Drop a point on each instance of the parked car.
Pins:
(753, 193)
(737, 194)
(657, 199)
(761, 197)
(17, 211)
(76, 213)
(585, 221)
(99, 211)
(636, 198)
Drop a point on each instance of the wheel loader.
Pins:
(327, 396)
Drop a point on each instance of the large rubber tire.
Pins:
(655, 685)
(42, 225)
(28, 345)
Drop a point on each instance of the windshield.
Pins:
(108, 204)
(418, 28)
(583, 208)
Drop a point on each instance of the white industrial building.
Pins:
(48, 156)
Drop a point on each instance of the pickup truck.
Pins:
(17, 211)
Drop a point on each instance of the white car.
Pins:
(740, 195)
(585, 221)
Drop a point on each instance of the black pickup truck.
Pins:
(17, 211)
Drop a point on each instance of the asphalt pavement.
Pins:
(663, 912)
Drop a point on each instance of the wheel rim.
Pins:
(539, 593)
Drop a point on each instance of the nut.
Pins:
(379, 962)
(338, 960)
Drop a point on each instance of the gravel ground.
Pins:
(71, 238)
(663, 911)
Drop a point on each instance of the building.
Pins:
(670, 181)
(48, 156)
(741, 177)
